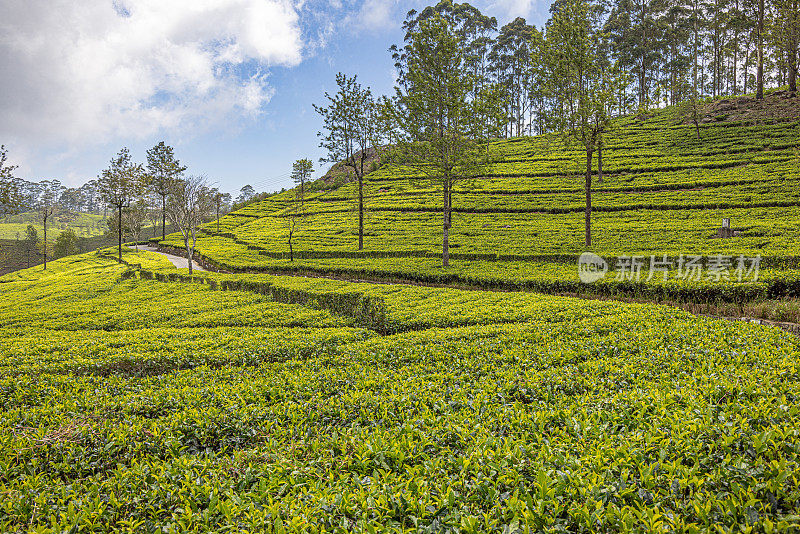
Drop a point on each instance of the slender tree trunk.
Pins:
(44, 244)
(791, 54)
(119, 234)
(600, 162)
(291, 231)
(760, 67)
(217, 218)
(163, 217)
(589, 197)
(189, 251)
(361, 209)
(446, 226)
(188, 254)
(794, 32)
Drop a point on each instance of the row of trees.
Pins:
(674, 51)
(186, 200)
(447, 103)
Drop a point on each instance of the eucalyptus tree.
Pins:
(582, 85)
(436, 114)
(354, 132)
(162, 170)
(512, 67)
(47, 206)
(760, 64)
(787, 37)
(301, 175)
(119, 185)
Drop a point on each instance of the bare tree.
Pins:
(47, 208)
(189, 203)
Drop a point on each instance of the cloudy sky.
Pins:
(229, 83)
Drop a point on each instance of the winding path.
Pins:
(177, 261)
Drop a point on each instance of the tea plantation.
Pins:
(136, 397)
(139, 398)
(663, 195)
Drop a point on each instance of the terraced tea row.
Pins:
(504, 411)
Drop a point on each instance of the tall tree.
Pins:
(189, 203)
(162, 170)
(788, 37)
(301, 174)
(582, 85)
(512, 65)
(436, 113)
(354, 133)
(47, 208)
(118, 186)
(760, 64)
(636, 38)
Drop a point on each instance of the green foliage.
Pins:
(664, 192)
(66, 244)
(154, 405)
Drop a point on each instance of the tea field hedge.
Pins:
(475, 412)
(663, 192)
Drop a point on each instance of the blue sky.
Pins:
(228, 83)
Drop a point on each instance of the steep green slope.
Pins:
(144, 399)
(664, 192)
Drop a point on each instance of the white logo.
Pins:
(591, 268)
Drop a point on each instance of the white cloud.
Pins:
(372, 16)
(94, 70)
(377, 15)
(515, 8)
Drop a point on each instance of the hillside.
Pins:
(138, 397)
(664, 192)
(84, 225)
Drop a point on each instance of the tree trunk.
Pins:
(189, 251)
(760, 67)
(119, 234)
(163, 218)
(589, 197)
(792, 65)
(291, 252)
(600, 162)
(217, 218)
(446, 226)
(44, 244)
(361, 209)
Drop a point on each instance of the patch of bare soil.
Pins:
(777, 105)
